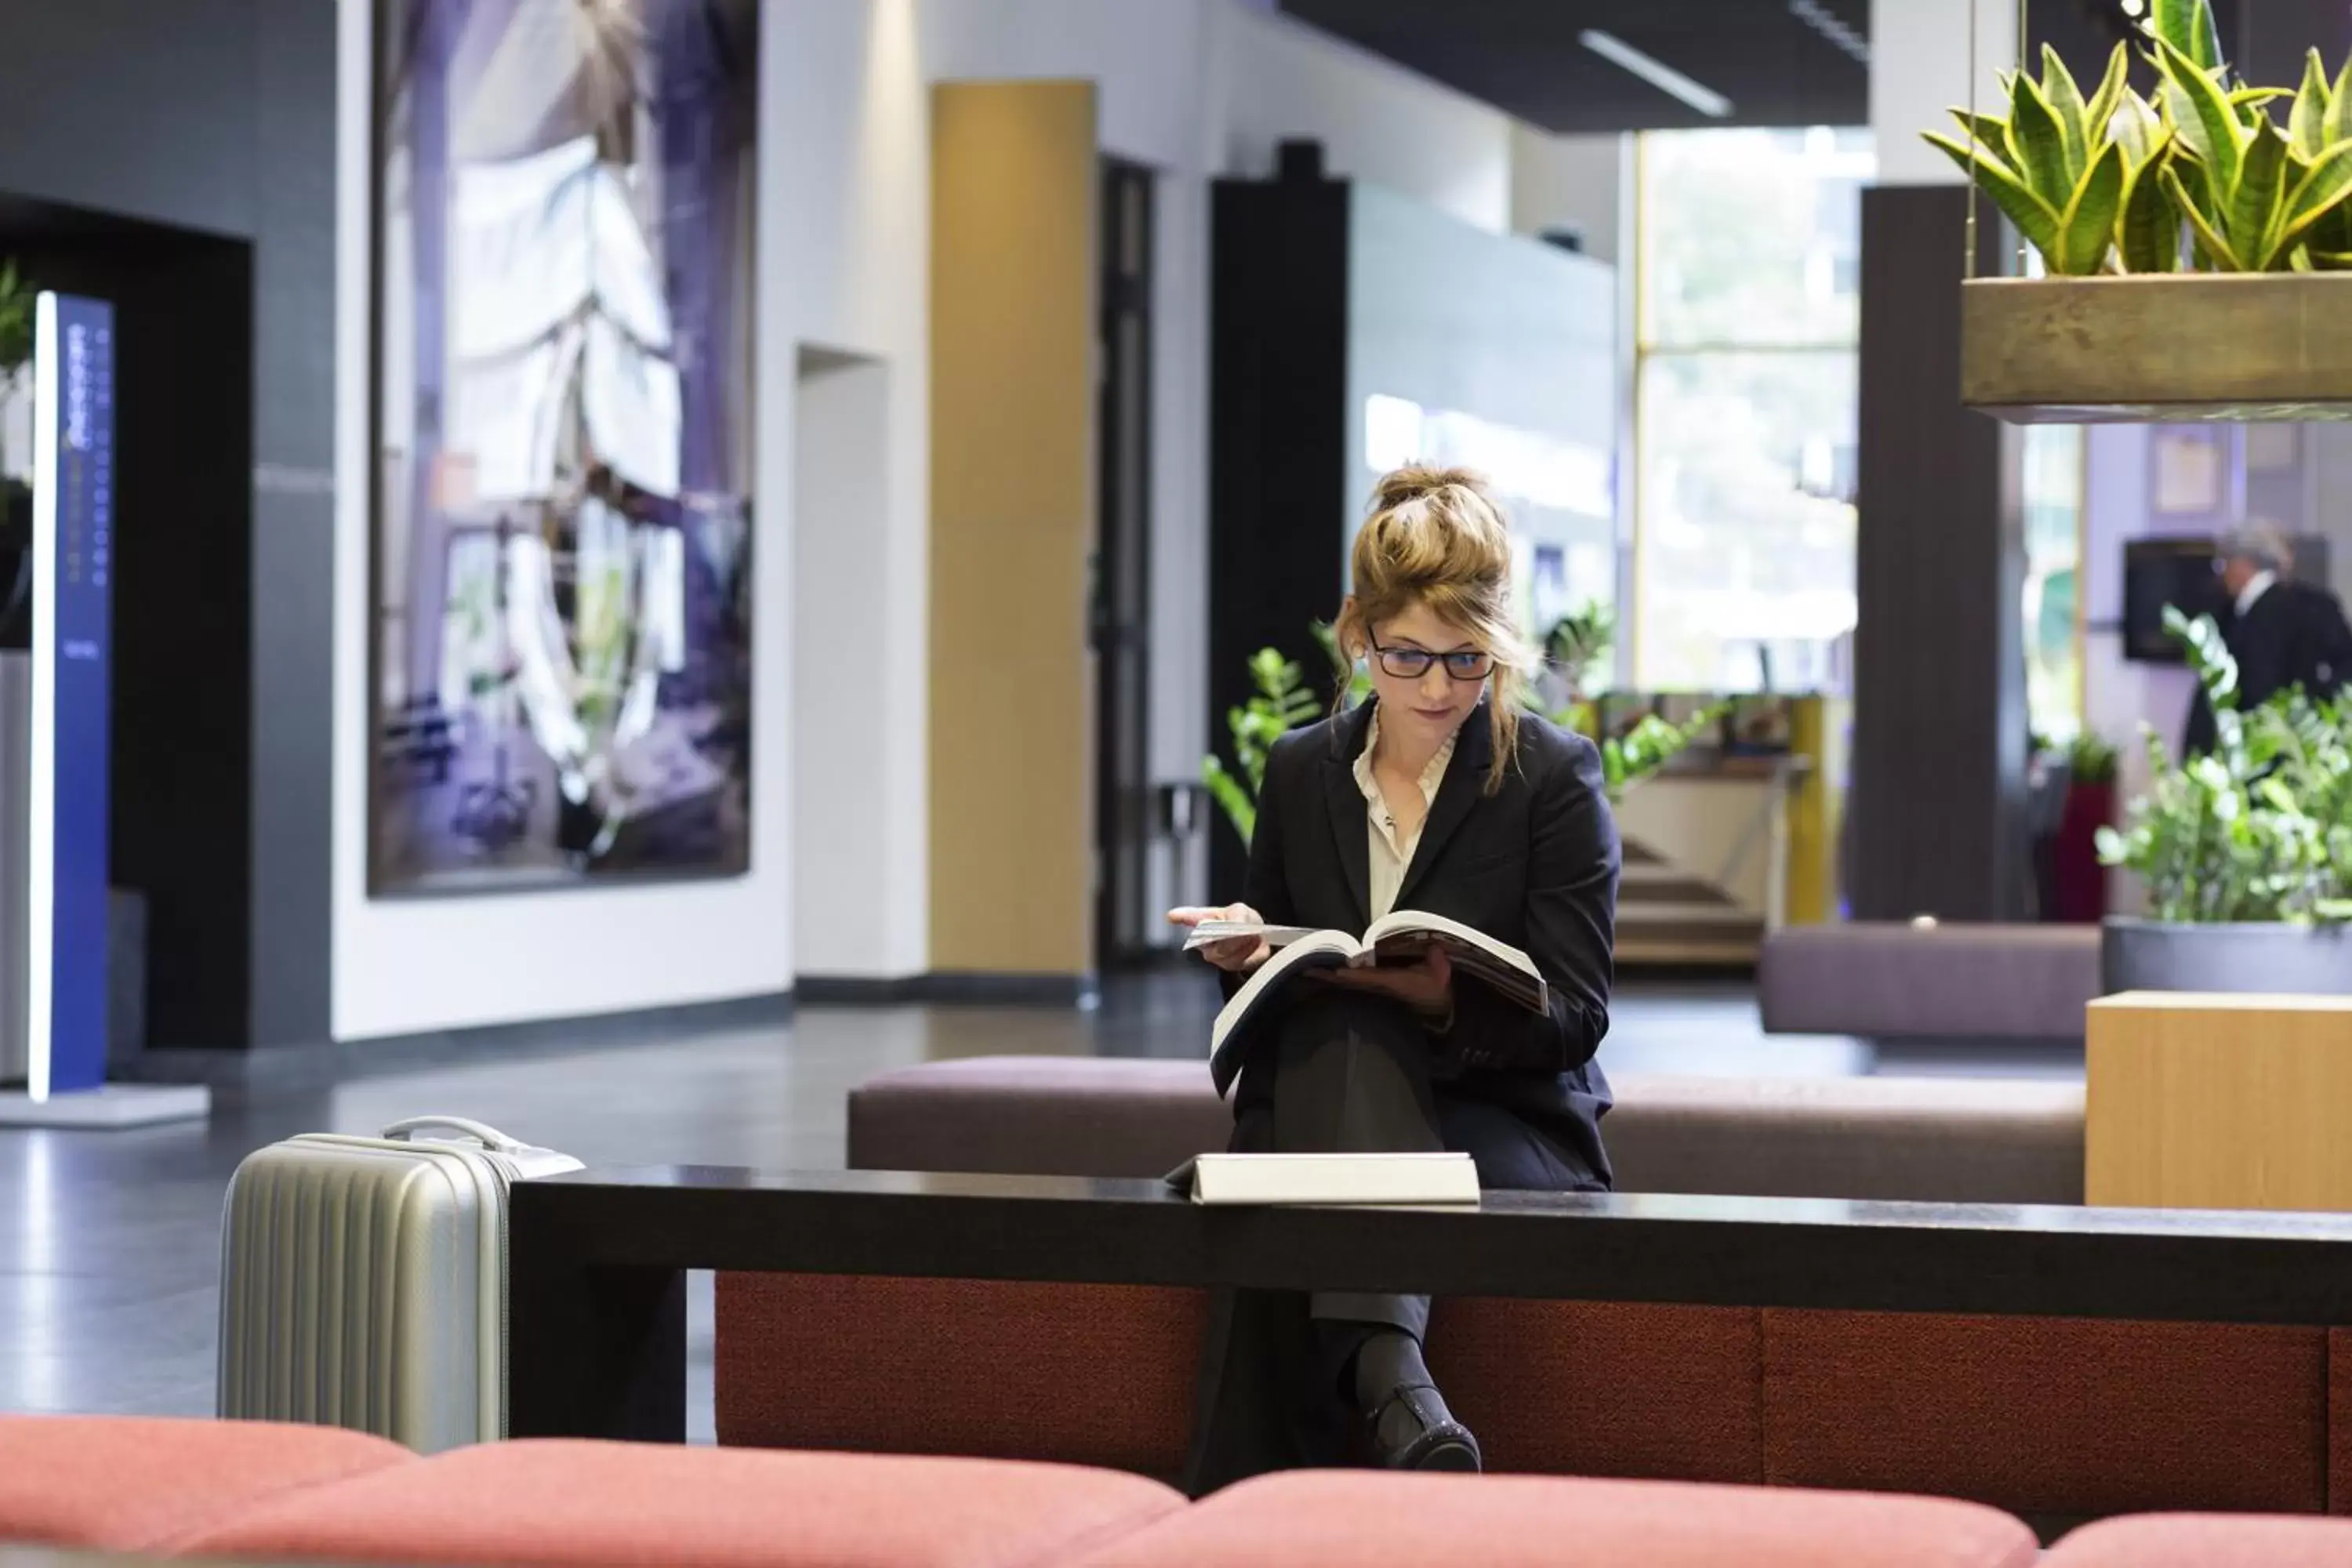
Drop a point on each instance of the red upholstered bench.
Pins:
(205, 1489)
(570, 1504)
(2206, 1541)
(122, 1484)
(1369, 1521)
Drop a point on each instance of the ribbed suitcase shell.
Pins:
(364, 1285)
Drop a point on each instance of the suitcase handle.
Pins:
(489, 1137)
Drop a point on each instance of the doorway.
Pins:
(1124, 919)
(182, 734)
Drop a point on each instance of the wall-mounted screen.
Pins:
(563, 443)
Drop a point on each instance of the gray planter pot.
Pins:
(2154, 956)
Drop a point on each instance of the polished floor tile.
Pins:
(110, 1242)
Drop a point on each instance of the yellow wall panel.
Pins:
(1013, 180)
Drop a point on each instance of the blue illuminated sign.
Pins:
(73, 568)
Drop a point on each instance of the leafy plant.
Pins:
(1641, 752)
(1283, 702)
(1359, 679)
(16, 298)
(2250, 193)
(2090, 759)
(2108, 183)
(2321, 119)
(2260, 827)
(2072, 174)
(1578, 638)
(2188, 25)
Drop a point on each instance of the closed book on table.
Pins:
(1334, 1179)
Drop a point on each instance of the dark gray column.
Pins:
(217, 118)
(2272, 37)
(292, 793)
(1935, 820)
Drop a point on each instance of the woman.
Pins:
(1438, 795)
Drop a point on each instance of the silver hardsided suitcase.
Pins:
(363, 1281)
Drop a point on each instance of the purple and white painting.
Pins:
(561, 585)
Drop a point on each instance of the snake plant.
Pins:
(2322, 119)
(2076, 174)
(2108, 183)
(2252, 194)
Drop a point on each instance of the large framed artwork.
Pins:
(561, 586)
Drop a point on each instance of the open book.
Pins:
(1397, 937)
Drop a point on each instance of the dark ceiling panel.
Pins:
(1523, 55)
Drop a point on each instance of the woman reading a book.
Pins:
(1439, 795)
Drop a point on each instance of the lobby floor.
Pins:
(110, 1241)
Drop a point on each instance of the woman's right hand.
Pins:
(1240, 954)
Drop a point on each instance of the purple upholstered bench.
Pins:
(1892, 981)
(1928, 1140)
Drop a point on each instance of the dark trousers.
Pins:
(1343, 1073)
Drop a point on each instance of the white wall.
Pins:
(1377, 121)
(1583, 182)
(1193, 89)
(847, 135)
(1919, 66)
(2119, 695)
(841, 592)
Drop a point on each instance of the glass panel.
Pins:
(1752, 236)
(2053, 559)
(1748, 520)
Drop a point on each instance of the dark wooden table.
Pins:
(597, 1297)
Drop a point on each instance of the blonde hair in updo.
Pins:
(1435, 537)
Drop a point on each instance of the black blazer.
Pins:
(2293, 635)
(1534, 864)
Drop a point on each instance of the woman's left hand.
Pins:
(1427, 986)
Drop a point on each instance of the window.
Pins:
(2053, 557)
(1747, 256)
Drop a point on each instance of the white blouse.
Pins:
(1391, 852)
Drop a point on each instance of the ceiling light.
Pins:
(1657, 72)
(1822, 20)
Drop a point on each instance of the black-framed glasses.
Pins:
(1413, 663)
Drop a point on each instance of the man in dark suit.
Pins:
(2282, 632)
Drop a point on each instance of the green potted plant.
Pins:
(2245, 851)
(1282, 701)
(1577, 642)
(2198, 250)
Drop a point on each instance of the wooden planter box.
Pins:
(2182, 346)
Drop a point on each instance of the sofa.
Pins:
(1959, 1139)
(256, 1493)
(1889, 980)
(2056, 1420)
